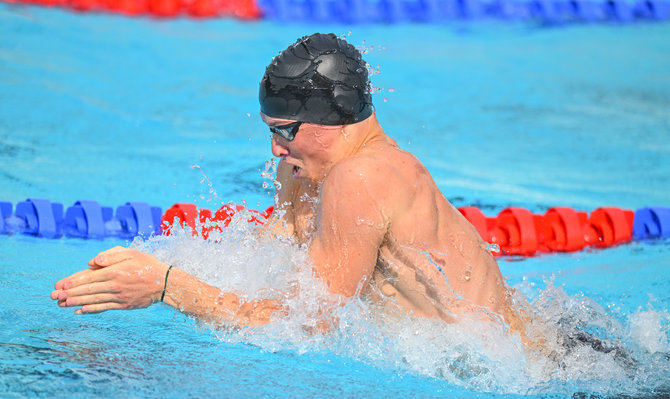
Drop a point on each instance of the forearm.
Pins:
(190, 295)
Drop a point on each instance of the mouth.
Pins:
(296, 171)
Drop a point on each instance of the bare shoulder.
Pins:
(378, 178)
(386, 166)
(360, 172)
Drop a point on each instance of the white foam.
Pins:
(481, 356)
(649, 329)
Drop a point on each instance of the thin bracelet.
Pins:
(166, 277)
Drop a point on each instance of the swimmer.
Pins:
(379, 227)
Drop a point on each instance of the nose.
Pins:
(279, 146)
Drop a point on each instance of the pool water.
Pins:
(116, 109)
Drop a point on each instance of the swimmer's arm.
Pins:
(192, 296)
(122, 278)
(351, 226)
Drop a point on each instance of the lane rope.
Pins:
(553, 12)
(515, 231)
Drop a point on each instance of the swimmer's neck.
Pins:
(360, 136)
(354, 140)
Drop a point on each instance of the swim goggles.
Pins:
(288, 132)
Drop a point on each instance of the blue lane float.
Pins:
(402, 11)
(619, 10)
(653, 222)
(89, 220)
(42, 218)
(139, 219)
(85, 219)
(652, 9)
(5, 212)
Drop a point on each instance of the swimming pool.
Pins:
(114, 109)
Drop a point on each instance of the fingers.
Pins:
(88, 300)
(119, 278)
(85, 290)
(76, 280)
(61, 294)
(112, 256)
(59, 284)
(99, 308)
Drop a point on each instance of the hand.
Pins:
(119, 278)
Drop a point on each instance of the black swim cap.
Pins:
(320, 79)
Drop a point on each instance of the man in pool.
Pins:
(380, 227)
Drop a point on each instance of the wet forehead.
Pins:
(270, 121)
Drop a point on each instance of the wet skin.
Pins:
(375, 224)
(380, 223)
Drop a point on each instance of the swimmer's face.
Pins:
(308, 147)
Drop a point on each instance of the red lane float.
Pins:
(562, 230)
(609, 226)
(242, 9)
(519, 232)
(515, 231)
(187, 215)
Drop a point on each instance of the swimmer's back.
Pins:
(432, 257)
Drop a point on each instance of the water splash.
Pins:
(212, 195)
(585, 349)
(364, 49)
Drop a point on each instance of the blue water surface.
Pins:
(116, 109)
